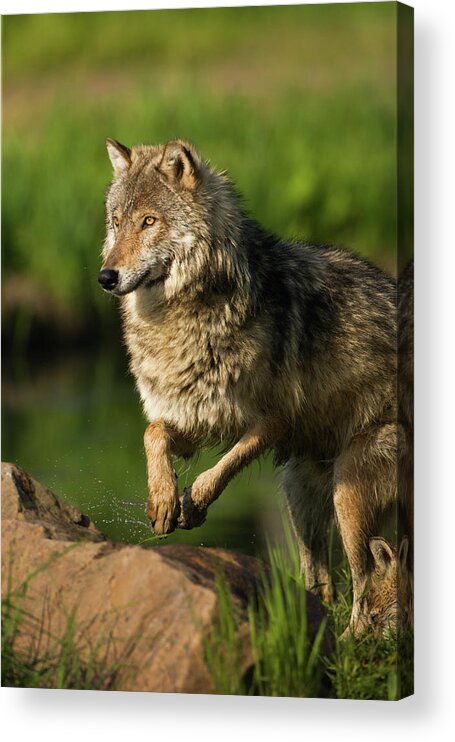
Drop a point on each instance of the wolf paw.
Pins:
(347, 633)
(163, 512)
(163, 516)
(190, 515)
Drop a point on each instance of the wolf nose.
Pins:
(108, 278)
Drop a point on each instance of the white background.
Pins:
(75, 715)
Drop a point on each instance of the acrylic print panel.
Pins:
(207, 391)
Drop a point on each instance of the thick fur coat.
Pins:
(238, 337)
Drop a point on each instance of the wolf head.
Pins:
(171, 221)
(387, 599)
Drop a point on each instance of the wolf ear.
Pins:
(119, 155)
(383, 553)
(180, 164)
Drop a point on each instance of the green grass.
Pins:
(302, 189)
(52, 43)
(297, 103)
(285, 661)
(222, 649)
(34, 657)
(371, 667)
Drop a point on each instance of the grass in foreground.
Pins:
(372, 667)
(65, 662)
(286, 663)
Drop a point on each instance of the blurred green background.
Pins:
(298, 103)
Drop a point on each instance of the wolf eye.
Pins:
(148, 221)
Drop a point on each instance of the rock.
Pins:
(144, 611)
(23, 498)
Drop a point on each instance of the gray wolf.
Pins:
(387, 601)
(238, 337)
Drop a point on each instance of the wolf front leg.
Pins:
(160, 443)
(209, 485)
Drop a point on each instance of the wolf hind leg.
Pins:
(365, 487)
(308, 486)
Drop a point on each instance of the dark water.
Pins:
(75, 423)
